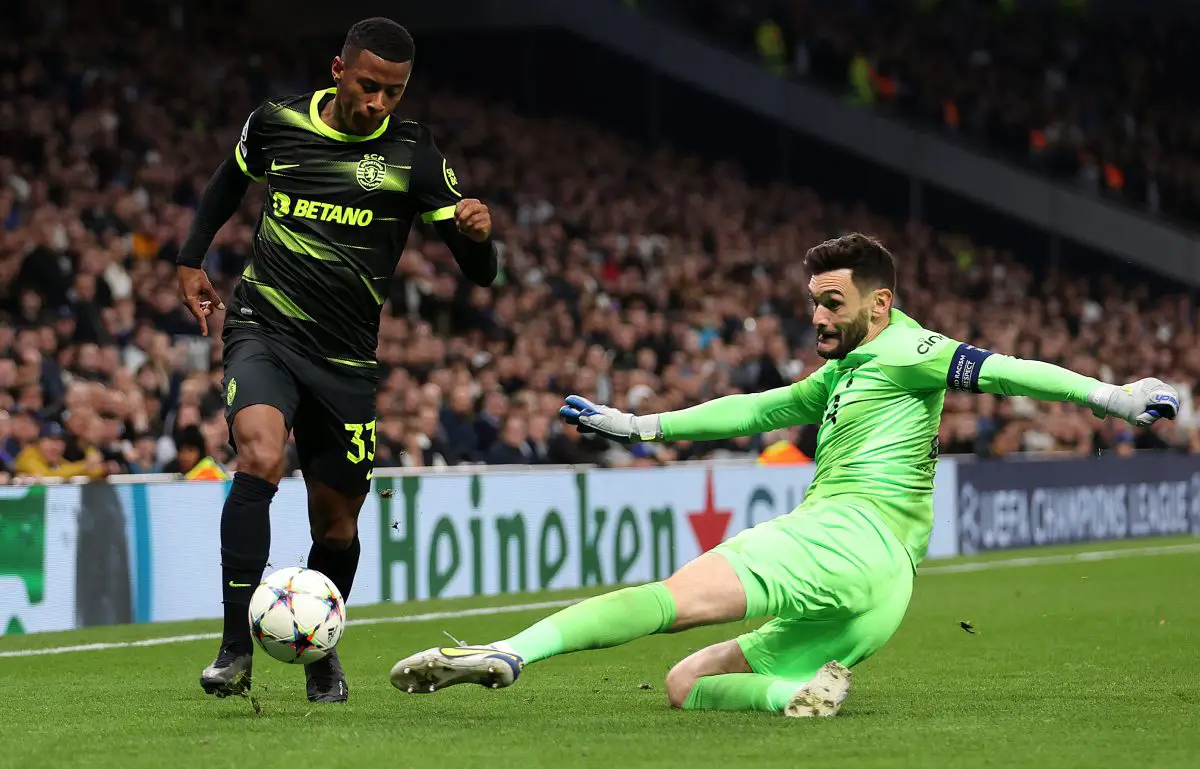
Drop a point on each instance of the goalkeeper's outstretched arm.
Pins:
(958, 366)
(1142, 402)
(733, 416)
(729, 417)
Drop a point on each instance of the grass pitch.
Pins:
(1083, 663)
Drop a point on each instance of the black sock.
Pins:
(245, 546)
(339, 565)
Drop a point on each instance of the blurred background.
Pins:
(656, 170)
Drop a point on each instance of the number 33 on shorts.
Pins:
(359, 450)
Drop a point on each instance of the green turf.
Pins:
(1084, 664)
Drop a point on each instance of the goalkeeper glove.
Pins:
(1140, 403)
(609, 422)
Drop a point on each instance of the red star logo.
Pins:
(710, 523)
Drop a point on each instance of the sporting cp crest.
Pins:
(370, 172)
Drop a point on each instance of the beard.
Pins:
(848, 336)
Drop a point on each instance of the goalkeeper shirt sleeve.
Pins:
(1005, 375)
(800, 403)
(937, 362)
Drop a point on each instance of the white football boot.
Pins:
(439, 667)
(823, 695)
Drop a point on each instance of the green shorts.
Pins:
(833, 577)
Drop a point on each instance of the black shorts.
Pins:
(330, 410)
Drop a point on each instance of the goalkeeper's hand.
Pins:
(609, 422)
(1141, 403)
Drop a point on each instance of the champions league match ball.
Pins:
(297, 615)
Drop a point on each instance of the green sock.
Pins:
(597, 623)
(741, 691)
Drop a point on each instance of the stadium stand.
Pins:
(640, 277)
(1035, 82)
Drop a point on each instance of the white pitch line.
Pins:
(487, 611)
(428, 616)
(1045, 560)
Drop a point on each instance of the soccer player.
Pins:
(345, 180)
(834, 575)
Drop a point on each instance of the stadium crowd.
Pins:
(638, 277)
(1095, 100)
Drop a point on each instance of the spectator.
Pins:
(45, 458)
(570, 447)
(458, 424)
(490, 419)
(190, 449)
(426, 444)
(389, 441)
(22, 430)
(511, 446)
(142, 455)
(539, 439)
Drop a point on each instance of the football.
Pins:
(297, 615)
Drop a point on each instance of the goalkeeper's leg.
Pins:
(825, 567)
(798, 667)
(848, 583)
(719, 677)
(706, 591)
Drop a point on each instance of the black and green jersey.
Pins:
(335, 220)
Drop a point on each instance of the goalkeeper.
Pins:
(835, 575)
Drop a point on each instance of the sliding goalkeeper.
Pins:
(835, 575)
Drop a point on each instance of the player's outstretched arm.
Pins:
(729, 417)
(1141, 403)
(940, 362)
(220, 201)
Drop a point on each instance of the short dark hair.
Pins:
(382, 37)
(871, 264)
(192, 437)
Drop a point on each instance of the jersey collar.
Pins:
(323, 128)
(898, 318)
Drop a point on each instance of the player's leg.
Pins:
(724, 658)
(333, 518)
(706, 591)
(333, 522)
(260, 398)
(848, 582)
(719, 677)
(335, 442)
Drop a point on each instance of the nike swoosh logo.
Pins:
(458, 651)
(470, 651)
(238, 584)
(276, 166)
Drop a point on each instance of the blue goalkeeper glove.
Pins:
(1141, 403)
(611, 423)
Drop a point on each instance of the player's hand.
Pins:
(198, 294)
(1141, 403)
(473, 219)
(609, 422)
